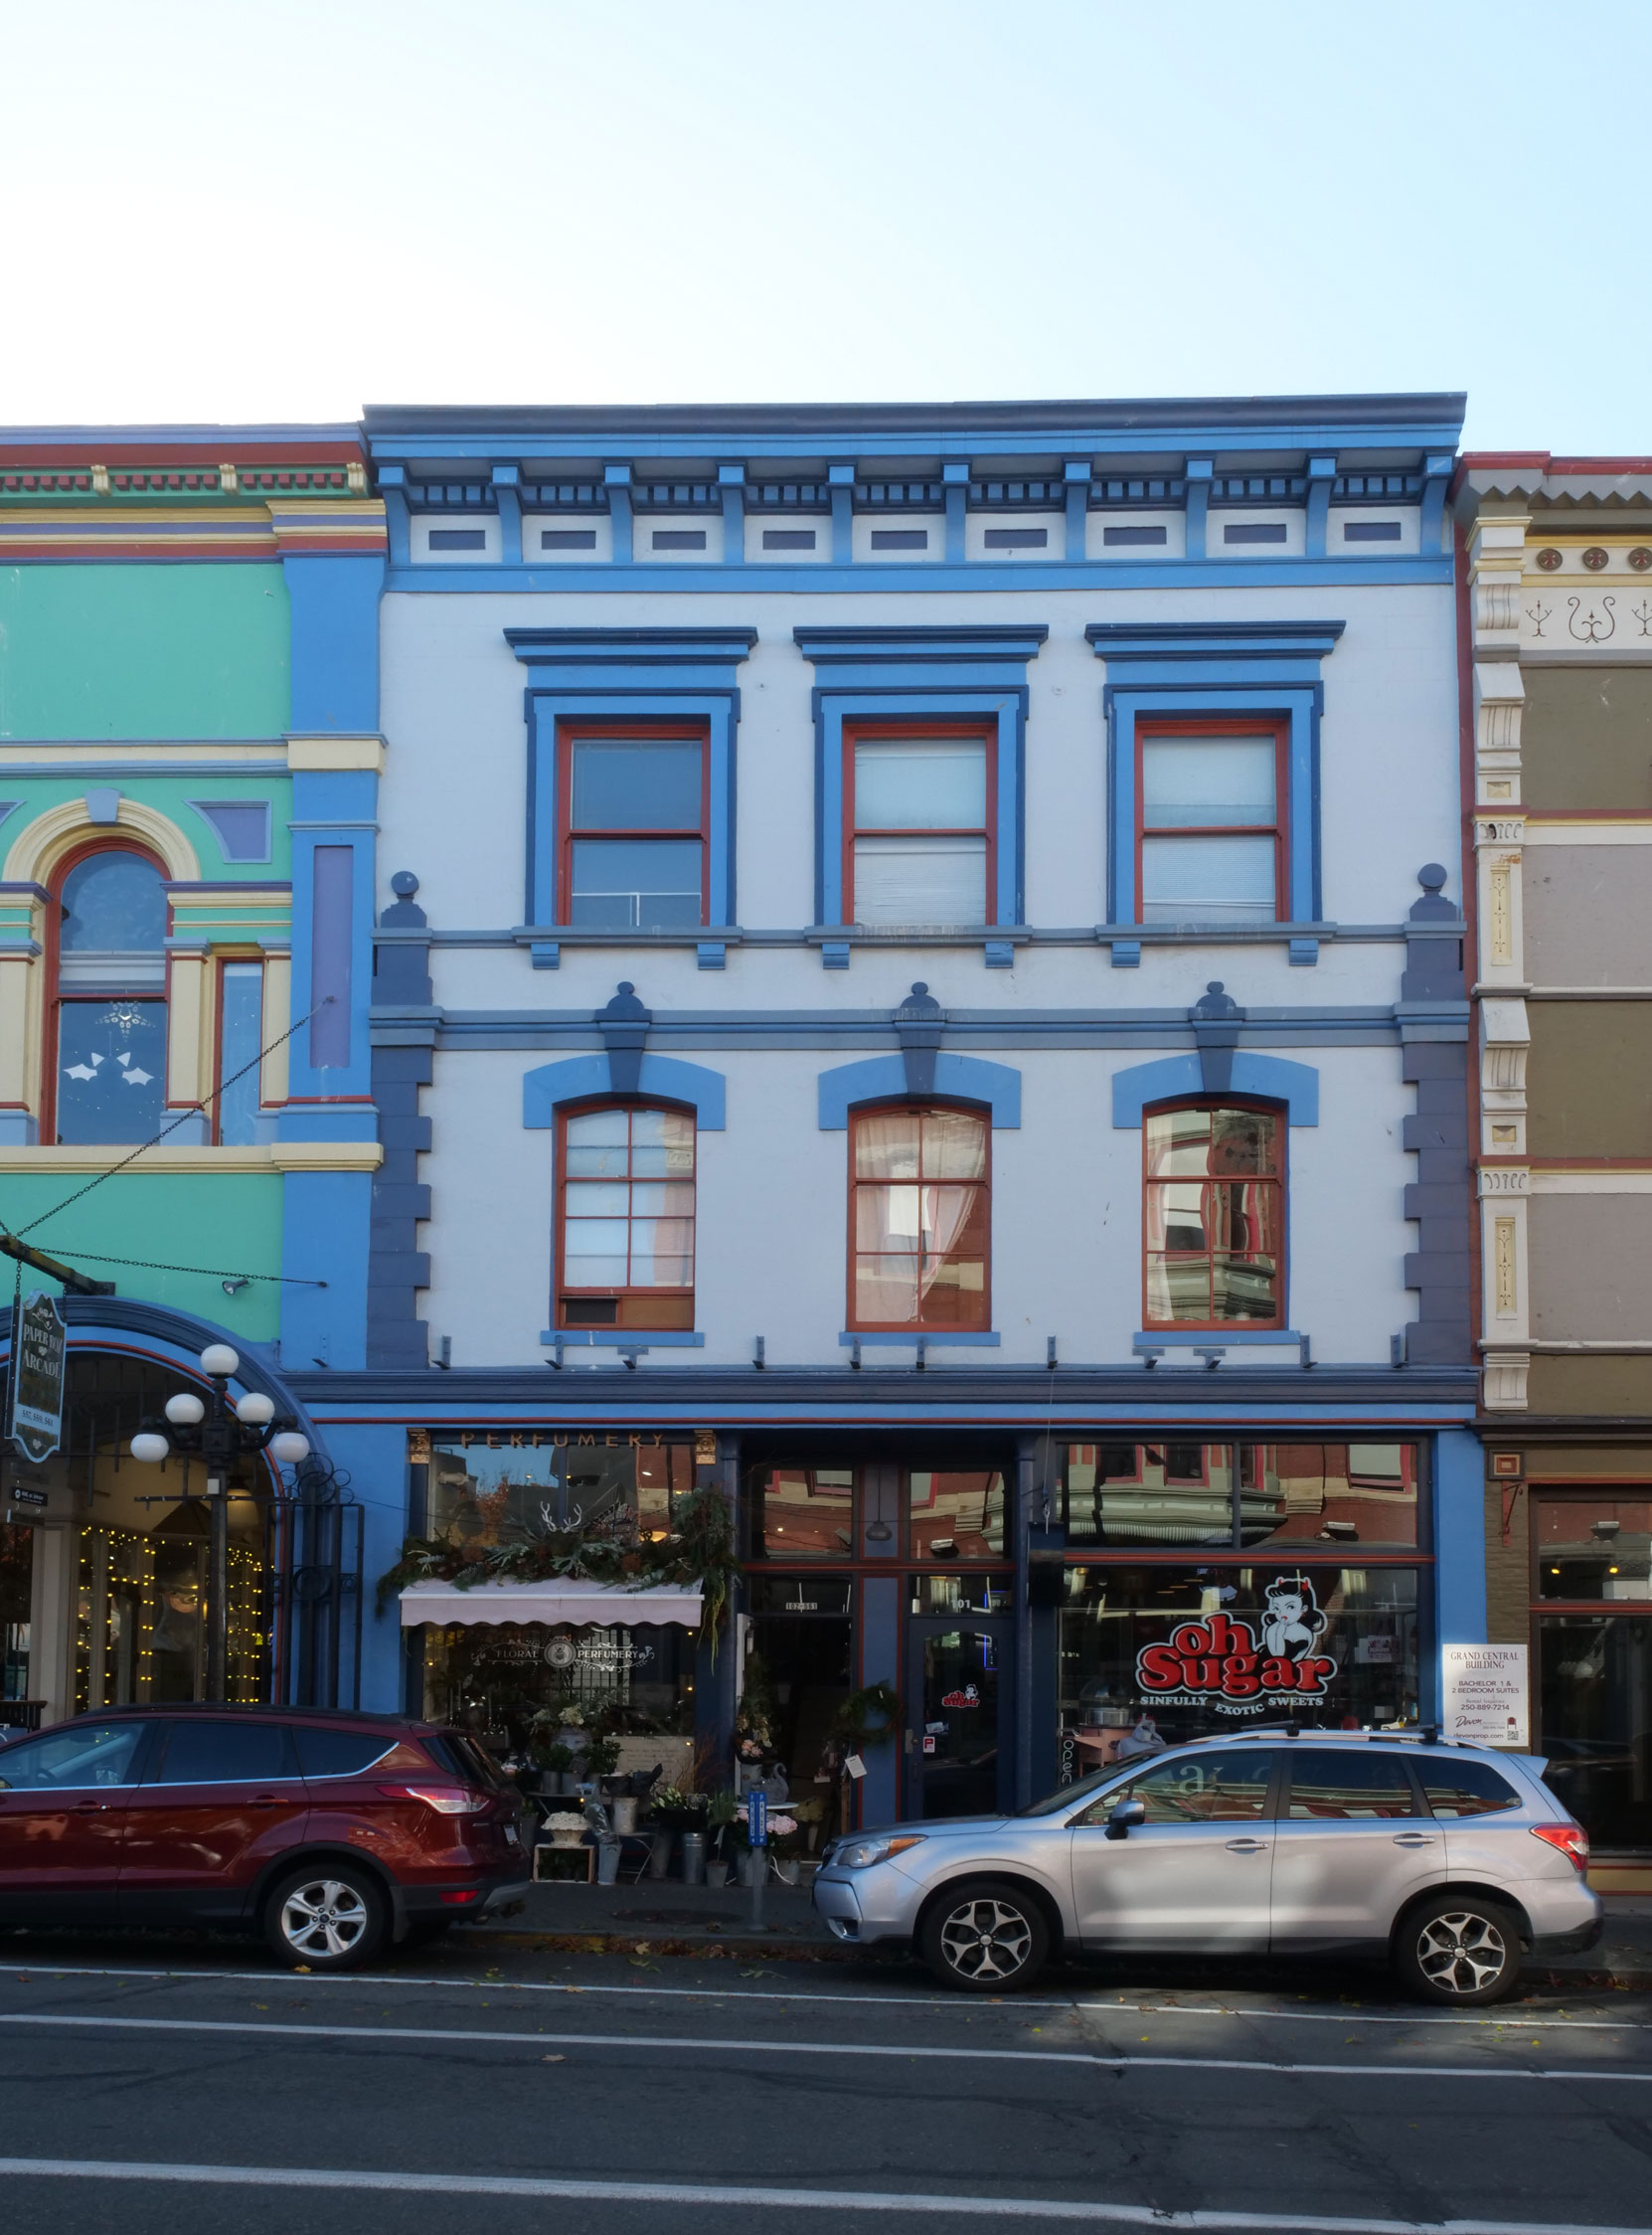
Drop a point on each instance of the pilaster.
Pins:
(1496, 553)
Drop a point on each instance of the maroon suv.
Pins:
(331, 1833)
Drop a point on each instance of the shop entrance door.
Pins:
(957, 1743)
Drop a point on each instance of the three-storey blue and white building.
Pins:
(914, 983)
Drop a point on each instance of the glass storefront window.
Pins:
(1595, 1685)
(1168, 1495)
(1598, 1546)
(806, 1513)
(17, 1570)
(1151, 1656)
(1148, 1493)
(960, 1594)
(955, 1516)
(495, 1487)
(494, 1679)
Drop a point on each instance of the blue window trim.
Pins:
(1256, 1077)
(662, 1078)
(922, 673)
(670, 674)
(620, 1338)
(1214, 668)
(929, 1338)
(884, 1079)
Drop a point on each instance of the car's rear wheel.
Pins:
(985, 1936)
(1459, 1949)
(328, 1917)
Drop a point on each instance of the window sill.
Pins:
(620, 1338)
(932, 1338)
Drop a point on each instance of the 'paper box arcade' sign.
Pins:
(1237, 1668)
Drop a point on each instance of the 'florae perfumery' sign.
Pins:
(1238, 1669)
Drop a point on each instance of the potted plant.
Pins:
(558, 1761)
(602, 1759)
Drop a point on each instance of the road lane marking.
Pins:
(706, 2194)
(1094, 2059)
(1519, 2014)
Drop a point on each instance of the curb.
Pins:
(723, 1945)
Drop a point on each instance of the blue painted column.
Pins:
(617, 480)
(376, 1460)
(1076, 475)
(841, 481)
(1459, 1550)
(881, 1665)
(1199, 474)
(334, 752)
(955, 479)
(507, 492)
(730, 482)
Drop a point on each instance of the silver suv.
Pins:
(1451, 1861)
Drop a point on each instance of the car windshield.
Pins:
(1081, 1787)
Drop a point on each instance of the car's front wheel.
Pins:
(1459, 1949)
(328, 1917)
(985, 1936)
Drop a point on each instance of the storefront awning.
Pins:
(563, 1601)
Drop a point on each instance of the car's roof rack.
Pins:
(1405, 1734)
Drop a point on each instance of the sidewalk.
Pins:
(661, 1917)
(673, 1919)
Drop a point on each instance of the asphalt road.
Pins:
(179, 2088)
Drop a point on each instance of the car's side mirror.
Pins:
(1123, 1817)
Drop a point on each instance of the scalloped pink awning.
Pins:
(568, 1600)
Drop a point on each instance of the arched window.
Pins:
(1214, 1215)
(625, 1253)
(920, 1218)
(106, 957)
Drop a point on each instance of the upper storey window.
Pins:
(626, 1257)
(920, 1219)
(634, 830)
(1214, 1217)
(108, 999)
(919, 827)
(1212, 828)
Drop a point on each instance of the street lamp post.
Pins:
(220, 1432)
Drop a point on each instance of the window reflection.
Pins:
(1168, 1493)
(807, 1512)
(1594, 1547)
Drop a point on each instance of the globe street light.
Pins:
(221, 1434)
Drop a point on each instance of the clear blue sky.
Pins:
(245, 209)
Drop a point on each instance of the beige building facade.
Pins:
(1558, 689)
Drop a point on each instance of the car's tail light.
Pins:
(444, 1798)
(1571, 1839)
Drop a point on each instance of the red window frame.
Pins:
(1274, 726)
(854, 1324)
(872, 732)
(660, 1310)
(54, 995)
(1278, 1182)
(570, 732)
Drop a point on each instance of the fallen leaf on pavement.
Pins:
(552, 2060)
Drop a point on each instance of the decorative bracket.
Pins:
(1216, 1018)
(918, 1023)
(623, 1025)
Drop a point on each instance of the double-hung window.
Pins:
(1214, 1217)
(626, 1254)
(919, 835)
(634, 828)
(1210, 826)
(920, 1219)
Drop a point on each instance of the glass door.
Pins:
(957, 1743)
